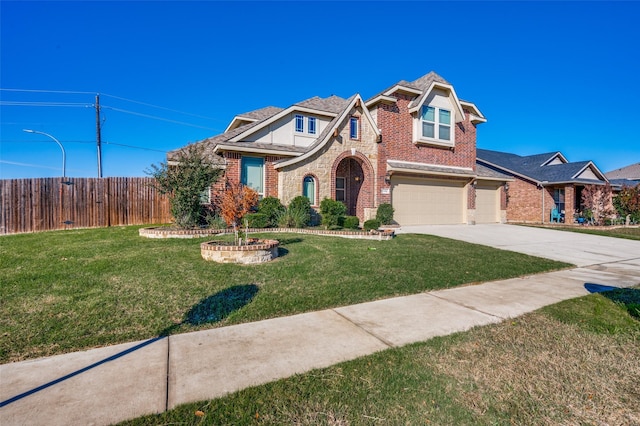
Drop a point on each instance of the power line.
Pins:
(15, 163)
(49, 91)
(45, 104)
(157, 118)
(159, 107)
(42, 141)
(135, 147)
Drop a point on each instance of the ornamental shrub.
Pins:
(300, 211)
(385, 214)
(332, 212)
(272, 208)
(351, 222)
(257, 220)
(371, 224)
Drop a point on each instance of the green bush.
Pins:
(272, 208)
(371, 224)
(214, 221)
(332, 212)
(300, 211)
(184, 183)
(257, 220)
(351, 222)
(385, 214)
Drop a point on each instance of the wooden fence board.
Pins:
(41, 204)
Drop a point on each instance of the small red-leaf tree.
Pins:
(235, 202)
(597, 198)
(627, 202)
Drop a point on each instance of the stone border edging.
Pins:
(159, 232)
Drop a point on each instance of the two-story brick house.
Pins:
(413, 145)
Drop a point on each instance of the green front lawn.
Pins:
(70, 290)
(571, 363)
(627, 233)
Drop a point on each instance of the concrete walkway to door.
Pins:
(571, 247)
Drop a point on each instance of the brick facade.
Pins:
(396, 123)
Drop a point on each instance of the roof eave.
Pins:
(254, 150)
(449, 87)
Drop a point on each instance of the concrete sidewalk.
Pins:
(107, 385)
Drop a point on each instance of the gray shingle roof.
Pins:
(486, 172)
(421, 83)
(333, 104)
(430, 168)
(631, 172)
(262, 113)
(531, 166)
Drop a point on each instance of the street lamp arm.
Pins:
(64, 155)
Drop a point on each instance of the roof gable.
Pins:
(316, 105)
(328, 132)
(542, 168)
(252, 116)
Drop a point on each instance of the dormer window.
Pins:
(311, 125)
(299, 123)
(436, 123)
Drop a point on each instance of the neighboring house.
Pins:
(412, 145)
(629, 175)
(541, 183)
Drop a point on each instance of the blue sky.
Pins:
(549, 76)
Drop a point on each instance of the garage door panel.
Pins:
(427, 201)
(487, 203)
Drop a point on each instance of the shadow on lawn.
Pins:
(208, 310)
(216, 307)
(627, 297)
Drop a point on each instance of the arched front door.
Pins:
(349, 181)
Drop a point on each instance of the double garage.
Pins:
(421, 201)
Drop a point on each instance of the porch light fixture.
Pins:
(506, 186)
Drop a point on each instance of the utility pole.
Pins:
(98, 135)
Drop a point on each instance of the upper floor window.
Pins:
(299, 123)
(311, 125)
(354, 131)
(436, 123)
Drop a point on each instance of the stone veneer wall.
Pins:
(323, 162)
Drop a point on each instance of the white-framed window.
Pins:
(252, 173)
(340, 189)
(299, 123)
(558, 199)
(205, 196)
(309, 189)
(435, 123)
(354, 128)
(311, 125)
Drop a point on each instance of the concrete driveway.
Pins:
(579, 249)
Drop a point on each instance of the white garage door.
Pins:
(487, 203)
(427, 201)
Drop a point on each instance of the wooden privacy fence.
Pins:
(30, 205)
